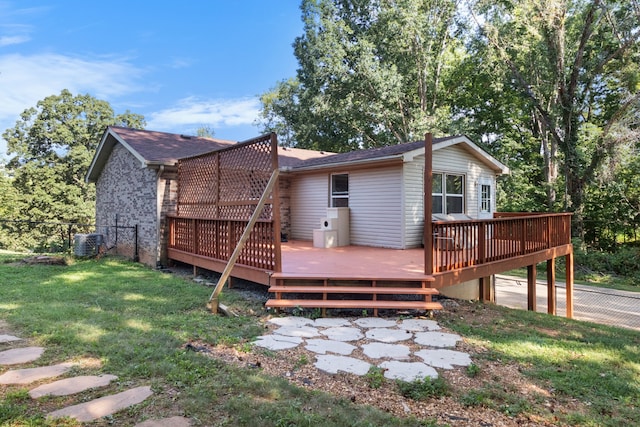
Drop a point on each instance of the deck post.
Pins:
(551, 286)
(486, 291)
(531, 287)
(428, 204)
(569, 283)
(275, 208)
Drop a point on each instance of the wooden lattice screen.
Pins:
(217, 194)
(226, 184)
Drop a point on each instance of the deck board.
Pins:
(301, 259)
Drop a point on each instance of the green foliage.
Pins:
(473, 370)
(560, 86)
(375, 377)
(52, 146)
(371, 73)
(507, 401)
(625, 261)
(423, 389)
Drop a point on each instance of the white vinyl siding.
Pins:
(456, 160)
(375, 202)
(414, 203)
(309, 199)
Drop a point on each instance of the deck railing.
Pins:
(217, 239)
(467, 243)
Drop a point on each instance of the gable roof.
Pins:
(403, 152)
(151, 148)
(155, 149)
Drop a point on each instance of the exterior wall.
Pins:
(285, 205)
(127, 190)
(309, 201)
(456, 160)
(413, 216)
(167, 204)
(375, 202)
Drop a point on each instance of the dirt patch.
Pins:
(488, 397)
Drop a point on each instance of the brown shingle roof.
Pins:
(167, 148)
(371, 154)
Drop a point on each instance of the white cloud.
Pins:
(195, 112)
(27, 79)
(9, 40)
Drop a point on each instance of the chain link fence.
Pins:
(590, 303)
(60, 237)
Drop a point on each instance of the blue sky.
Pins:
(182, 65)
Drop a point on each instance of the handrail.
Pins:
(466, 243)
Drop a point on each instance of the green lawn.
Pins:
(135, 322)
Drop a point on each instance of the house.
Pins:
(354, 222)
(135, 172)
(383, 189)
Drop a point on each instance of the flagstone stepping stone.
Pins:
(29, 375)
(166, 422)
(342, 333)
(378, 350)
(444, 358)
(329, 322)
(16, 356)
(333, 364)
(277, 342)
(389, 335)
(437, 339)
(293, 321)
(374, 322)
(320, 346)
(419, 325)
(71, 385)
(407, 371)
(301, 331)
(8, 338)
(104, 406)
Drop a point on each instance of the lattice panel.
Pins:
(198, 186)
(226, 184)
(245, 171)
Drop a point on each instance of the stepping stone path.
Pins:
(406, 349)
(84, 412)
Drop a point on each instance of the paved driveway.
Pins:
(599, 305)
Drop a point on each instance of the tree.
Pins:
(205, 131)
(52, 146)
(371, 73)
(576, 66)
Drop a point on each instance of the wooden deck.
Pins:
(301, 259)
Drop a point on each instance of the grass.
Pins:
(596, 365)
(136, 321)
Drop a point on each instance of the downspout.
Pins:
(159, 201)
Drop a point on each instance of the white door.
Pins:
(486, 198)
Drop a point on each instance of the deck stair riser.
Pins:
(334, 293)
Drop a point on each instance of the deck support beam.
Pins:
(551, 286)
(531, 287)
(569, 284)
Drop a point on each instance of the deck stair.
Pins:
(313, 292)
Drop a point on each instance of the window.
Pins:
(447, 193)
(339, 190)
(485, 198)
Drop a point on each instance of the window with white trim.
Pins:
(485, 198)
(339, 190)
(447, 193)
